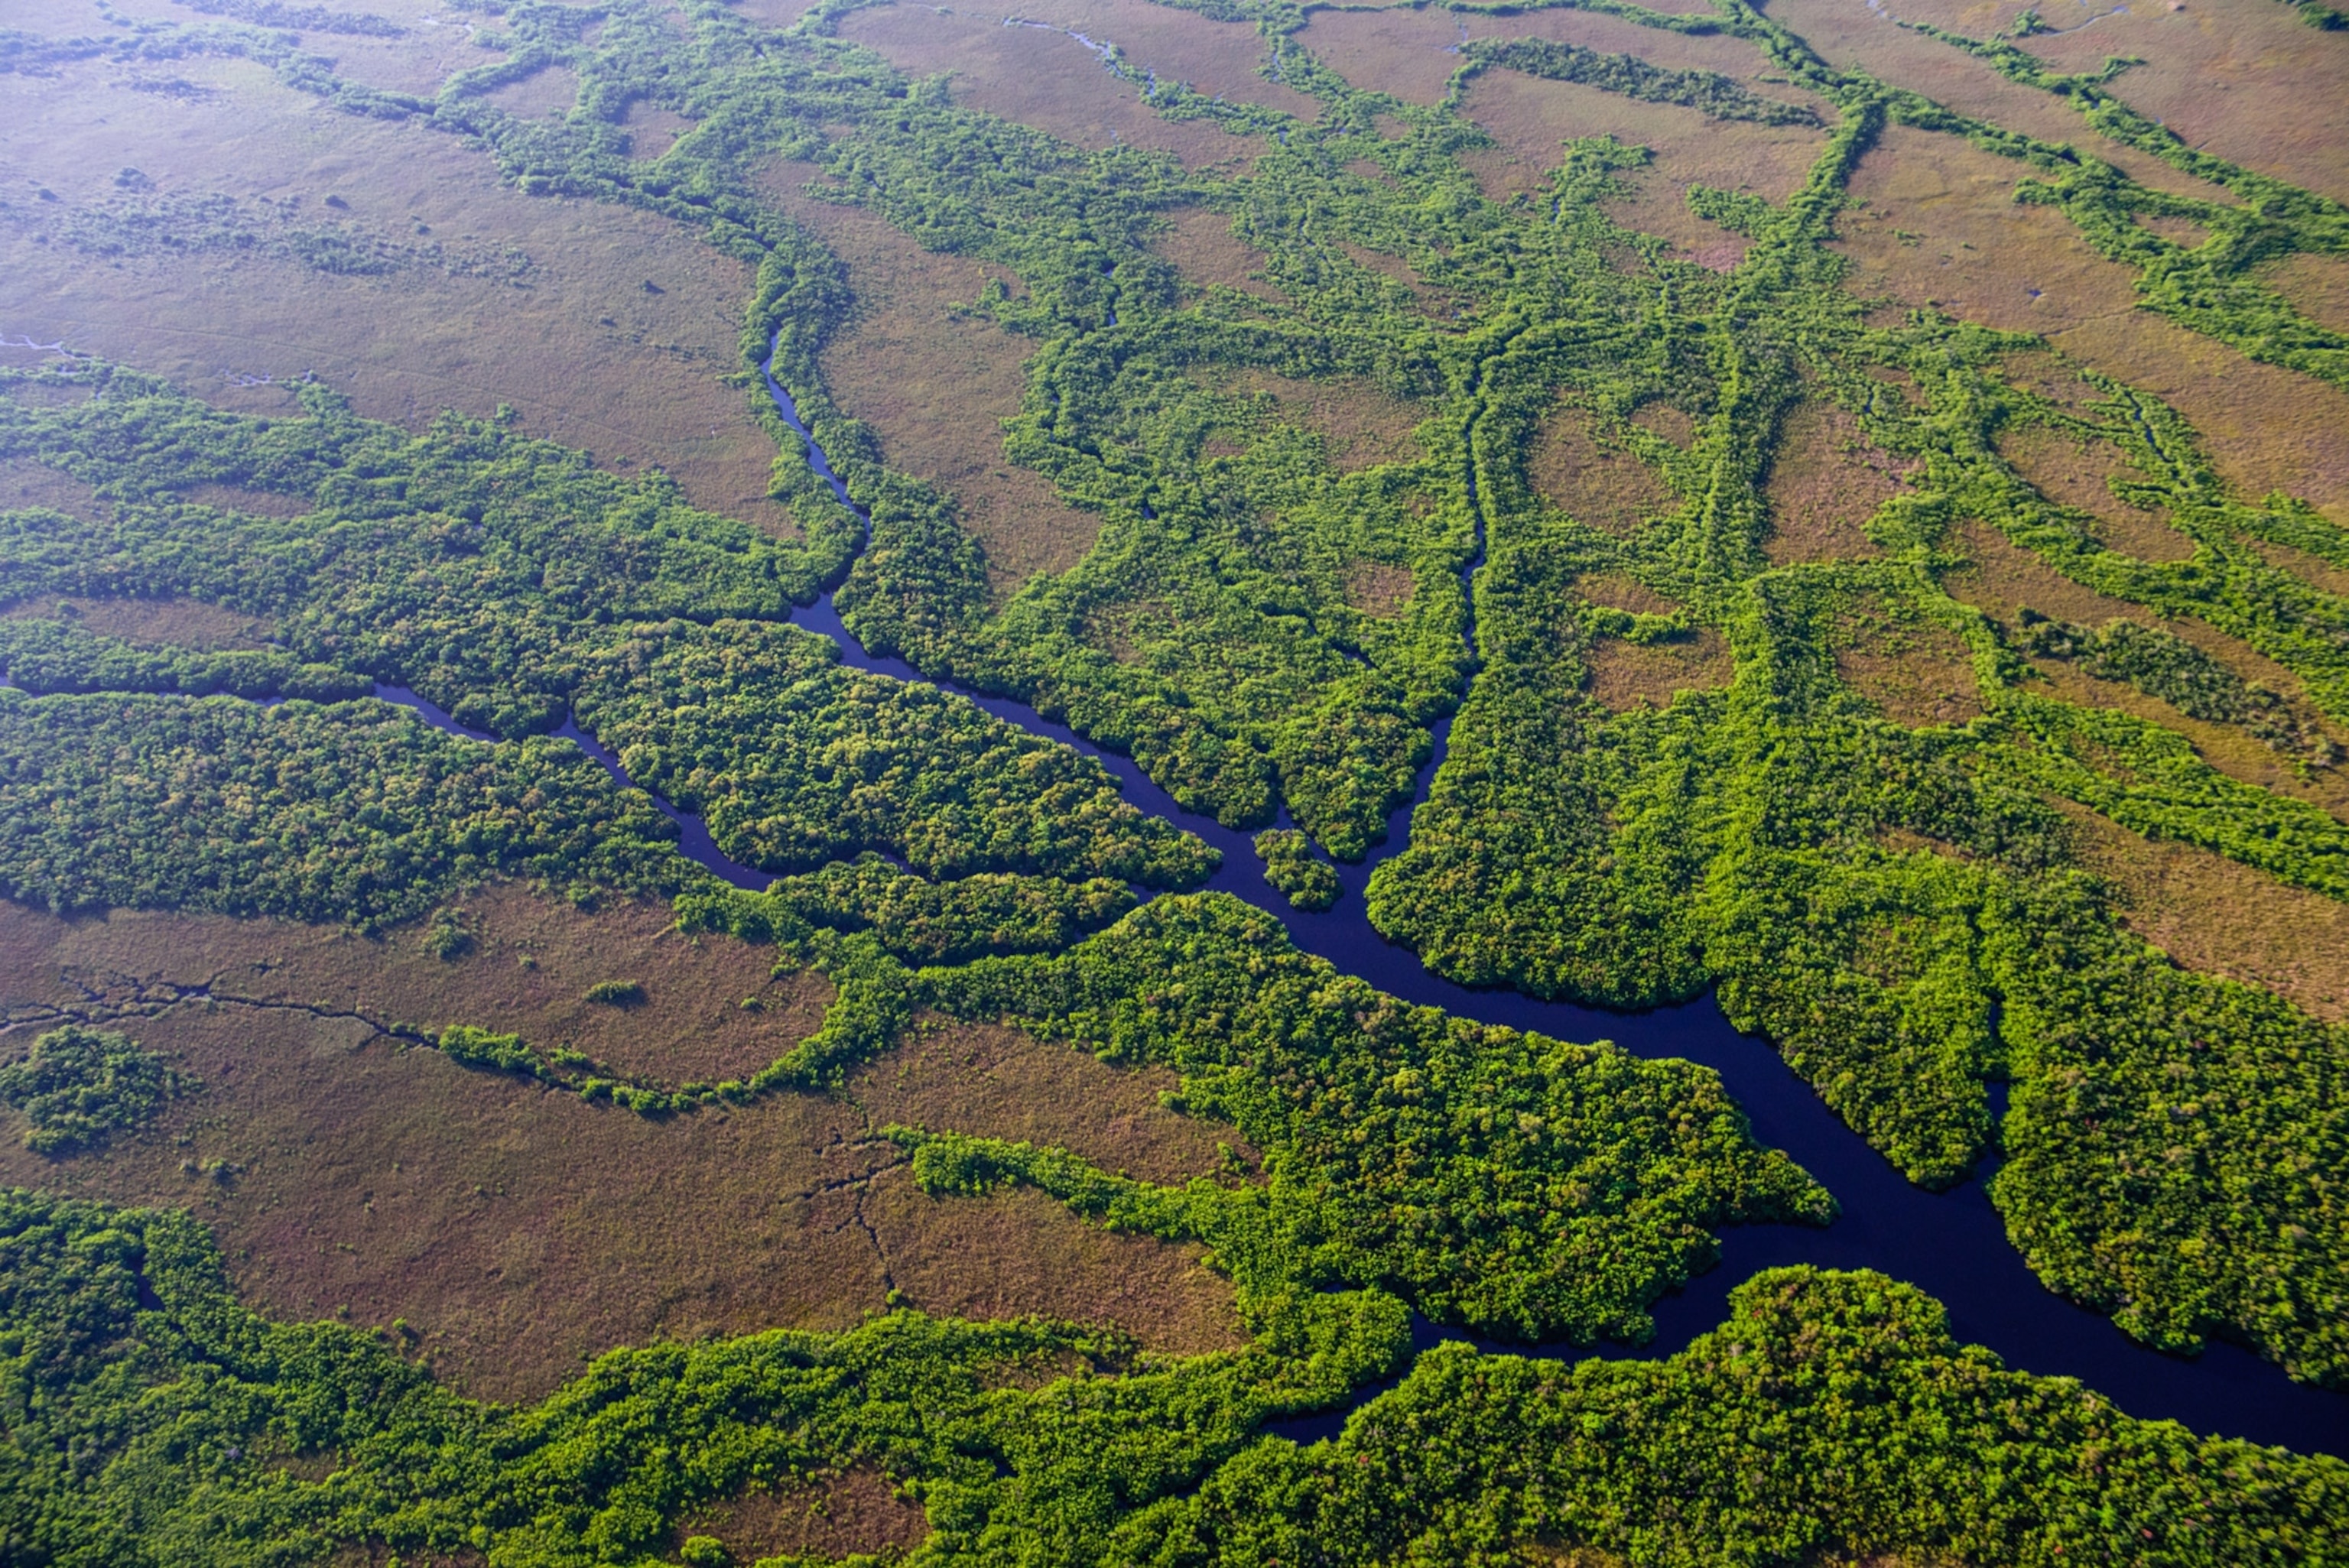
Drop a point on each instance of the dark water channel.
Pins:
(1953, 1244)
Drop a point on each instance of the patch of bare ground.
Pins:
(1430, 302)
(855, 1513)
(517, 1229)
(2253, 84)
(2233, 751)
(430, 47)
(2070, 471)
(997, 1082)
(1018, 1251)
(2313, 570)
(1556, 1555)
(1530, 119)
(1827, 479)
(936, 384)
(1602, 486)
(1360, 426)
(1379, 589)
(1220, 59)
(1199, 243)
(2317, 286)
(2211, 915)
(165, 623)
(1663, 420)
(652, 129)
(1918, 673)
(1942, 229)
(24, 483)
(378, 1554)
(542, 303)
(1874, 41)
(1038, 75)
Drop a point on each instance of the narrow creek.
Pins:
(1953, 1244)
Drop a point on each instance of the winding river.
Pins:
(1953, 1244)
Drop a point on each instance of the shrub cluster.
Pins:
(77, 1085)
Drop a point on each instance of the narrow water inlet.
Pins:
(1953, 1244)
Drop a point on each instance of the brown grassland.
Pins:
(2072, 470)
(2250, 84)
(1625, 676)
(859, 1511)
(1605, 486)
(542, 303)
(2001, 578)
(2211, 914)
(1412, 54)
(1528, 118)
(1376, 588)
(1199, 242)
(1849, 35)
(999, 1082)
(1827, 479)
(2234, 751)
(517, 1229)
(1360, 426)
(936, 383)
(1940, 226)
(1039, 76)
(156, 623)
(2318, 286)
(1917, 672)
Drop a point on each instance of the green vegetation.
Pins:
(1719, 97)
(59, 655)
(77, 1085)
(616, 993)
(357, 813)
(1514, 1183)
(2163, 664)
(794, 760)
(154, 1420)
(1290, 868)
(919, 920)
(508, 580)
(1855, 842)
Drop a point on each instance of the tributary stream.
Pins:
(1953, 1244)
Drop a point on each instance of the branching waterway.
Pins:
(1952, 1243)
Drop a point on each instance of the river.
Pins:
(1952, 1243)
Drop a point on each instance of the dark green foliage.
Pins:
(1831, 1413)
(60, 655)
(2167, 1151)
(1508, 1182)
(150, 1416)
(1718, 96)
(2163, 664)
(78, 1084)
(794, 760)
(356, 813)
(1290, 867)
(472, 563)
(616, 993)
(921, 922)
